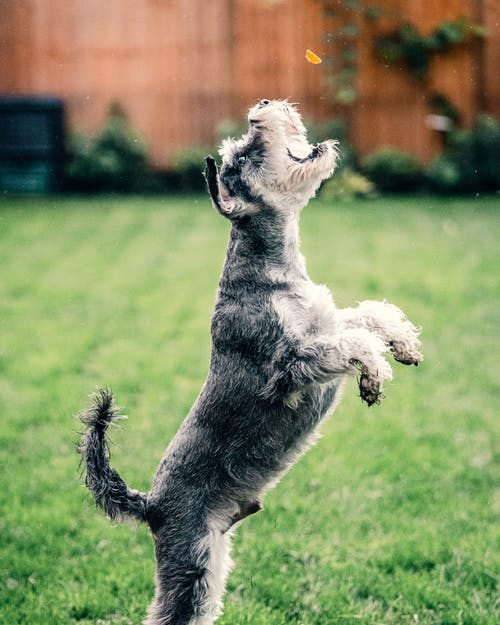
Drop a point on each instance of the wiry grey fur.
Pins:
(281, 351)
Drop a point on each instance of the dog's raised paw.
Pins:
(370, 389)
(404, 354)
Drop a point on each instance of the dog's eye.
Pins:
(242, 160)
(264, 103)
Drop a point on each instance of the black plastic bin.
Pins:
(31, 144)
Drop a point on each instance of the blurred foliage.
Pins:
(230, 128)
(334, 128)
(440, 104)
(187, 167)
(407, 46)
(343, 36)
(113, 160)
(393, 171)
(346, 185)
(470, 163)
(403, 45)
(187, 164)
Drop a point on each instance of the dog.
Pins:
(281, 352)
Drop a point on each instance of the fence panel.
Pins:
(179, 67)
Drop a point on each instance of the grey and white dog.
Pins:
(281, 352)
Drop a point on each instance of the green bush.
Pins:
(470, 163)
(185, 172)
(187, 167)
(114, 160)
(347, 185)
(334, 129)
(230, 128)
(393, 171)
(443, 174)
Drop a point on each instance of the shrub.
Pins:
(187, 166)
(443, 174)
(229, 128)
(347, 185)
(185, 173)
(470, 163)
(393, 171)
(113, 160)
(334, 129)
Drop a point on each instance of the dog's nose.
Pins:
(264, 103)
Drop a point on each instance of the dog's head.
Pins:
(271, 166)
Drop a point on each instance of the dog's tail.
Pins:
(109, 490)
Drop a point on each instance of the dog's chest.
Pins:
(306, 310)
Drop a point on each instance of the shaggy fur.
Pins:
(281, 352)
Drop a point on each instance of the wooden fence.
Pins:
(179, 67)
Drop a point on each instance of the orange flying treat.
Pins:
(312, 58)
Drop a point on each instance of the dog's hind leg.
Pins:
(191, 576)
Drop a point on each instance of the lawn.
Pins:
(389, 520)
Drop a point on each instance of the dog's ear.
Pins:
(213, 184)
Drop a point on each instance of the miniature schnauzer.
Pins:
(281, 352)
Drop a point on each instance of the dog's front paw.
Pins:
(370, 388)
(404, 343)
(406, 354)
(373, 372)
(399, 333)
(371, 382)
(405, 346)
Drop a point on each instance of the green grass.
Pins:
(388, 520)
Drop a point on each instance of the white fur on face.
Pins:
(291, 169)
